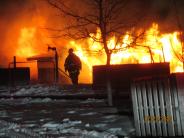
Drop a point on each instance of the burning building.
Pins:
(33, 29)
(46, 69)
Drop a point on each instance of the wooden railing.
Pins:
(158, 106)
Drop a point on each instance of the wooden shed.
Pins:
(46, 68)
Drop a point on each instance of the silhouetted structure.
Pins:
(11, 76)
(45, 65)
(121, 77)
(47, 69)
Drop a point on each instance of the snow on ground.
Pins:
(61, 118)
(42, 90)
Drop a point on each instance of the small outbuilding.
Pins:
(46, 69)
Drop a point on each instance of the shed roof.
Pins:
(42, 57)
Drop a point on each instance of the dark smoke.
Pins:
(165, 13)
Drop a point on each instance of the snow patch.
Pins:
(17, 118)
(90, 113)
(90, 134)
(100, 125)
(87, 125)
(50, 125)
(90, 100)
(114, 130)
(110, 116)
(29, 125)
(3, 114)
(71, 112)
(59, 126)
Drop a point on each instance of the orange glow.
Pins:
(161, 45)
(26, 43)
(25, 48)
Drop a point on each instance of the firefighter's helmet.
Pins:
(70, 50)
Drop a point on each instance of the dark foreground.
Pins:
(46, 117)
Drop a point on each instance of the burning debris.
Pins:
(152, 46)
(117, 41)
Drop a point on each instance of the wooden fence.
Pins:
(158, 106)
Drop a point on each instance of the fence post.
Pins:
(169, 111)
(146, 108)
(14, 72)
(180, 86)
(162, 107)
(135, 109)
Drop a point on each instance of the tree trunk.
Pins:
(108, 62)
(109, 90)
(102, 23)
(182, 53)
(108, 79)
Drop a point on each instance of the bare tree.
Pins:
(179, 55)
(107, 15)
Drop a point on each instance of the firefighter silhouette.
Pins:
(73, 66)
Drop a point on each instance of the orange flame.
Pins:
(26, 43)
(161, 46)
(153, 47)
(25, 48)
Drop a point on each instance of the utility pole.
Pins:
(14, 62)
(13, 73)
(56, 66)
(56, 63)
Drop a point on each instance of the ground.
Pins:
(49, 117)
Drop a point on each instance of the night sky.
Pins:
(159, 10)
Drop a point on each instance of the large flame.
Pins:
(153, 47)
(26, 42)
(25, 48)
(162, 47)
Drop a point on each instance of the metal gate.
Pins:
(158, 106)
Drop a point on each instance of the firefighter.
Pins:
(73, 66)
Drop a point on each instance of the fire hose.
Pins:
(64, 72)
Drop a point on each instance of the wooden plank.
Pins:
(145, 105)
(157, 109)
(162, 108)
(151, 108)
(141, 111)
(176, 113)
(180, 87)
(170, 122)
(135, 110)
